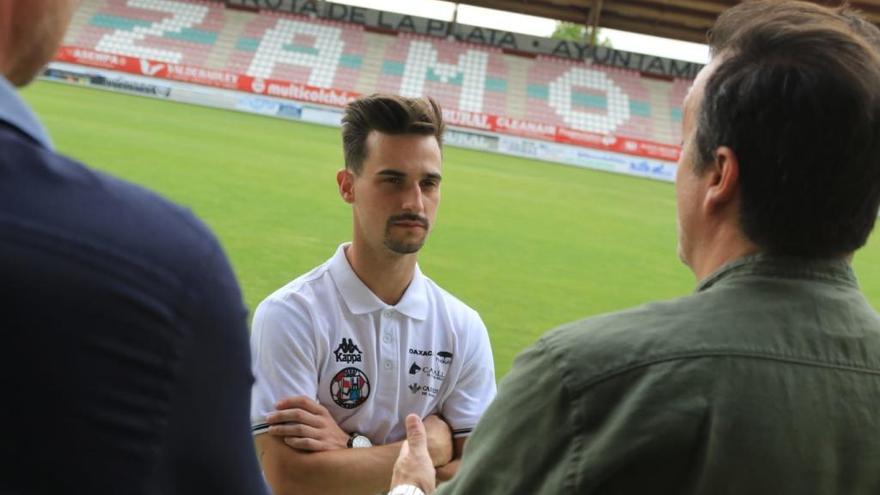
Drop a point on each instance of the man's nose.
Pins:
(413, 198)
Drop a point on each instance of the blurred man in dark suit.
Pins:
(124, 365)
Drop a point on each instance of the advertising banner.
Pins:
(118, 82)
(323, 116)
(299, 92)
(471, 140)
(455, 136)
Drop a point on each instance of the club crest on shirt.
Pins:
(347, 352)
(350, 388)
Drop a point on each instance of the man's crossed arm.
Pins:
(304, 451)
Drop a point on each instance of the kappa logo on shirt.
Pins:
(347, 352)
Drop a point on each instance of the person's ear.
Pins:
(345, 181)
(722, 179)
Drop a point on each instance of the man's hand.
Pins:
(439, 439)
(306, 425)
(414, 465)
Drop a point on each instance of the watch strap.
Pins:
(406, 490)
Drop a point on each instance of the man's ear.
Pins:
(722, 180)
(345, 181)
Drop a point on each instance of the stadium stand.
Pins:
(167, 31)
(350, 58)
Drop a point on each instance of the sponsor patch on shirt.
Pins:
(435, 373)
(444, 357)
(425, 390)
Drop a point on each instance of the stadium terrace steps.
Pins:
(516, 76)
(227, 39)
(81, 17)
(329, 54)
(372, 62)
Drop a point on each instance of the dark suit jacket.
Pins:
(124, 363)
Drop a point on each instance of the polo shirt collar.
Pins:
(360, 299)
(15, 113)
(834, 270)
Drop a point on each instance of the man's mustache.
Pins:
(409, 217)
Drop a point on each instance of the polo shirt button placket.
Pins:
(387, 338)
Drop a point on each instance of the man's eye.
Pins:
(394, 180)
(430, 184)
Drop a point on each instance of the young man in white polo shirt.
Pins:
(343, 353)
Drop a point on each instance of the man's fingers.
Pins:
(300, 416)
(308, 444)
(294, 430)
(416, 438)
(413, 465)
(300, 402)
(437, 425)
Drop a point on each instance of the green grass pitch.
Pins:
(530, 245)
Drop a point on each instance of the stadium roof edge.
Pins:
(686, 20)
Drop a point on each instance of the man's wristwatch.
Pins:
(406, 490)
(358, 441)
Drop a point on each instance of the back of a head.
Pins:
(388, 114)
(796, 95)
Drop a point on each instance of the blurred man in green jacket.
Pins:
(766, 380)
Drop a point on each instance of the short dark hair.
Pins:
(388, 114)
(796, 96)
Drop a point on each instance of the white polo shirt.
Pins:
(327, 336)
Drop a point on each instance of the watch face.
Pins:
(360, 442)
